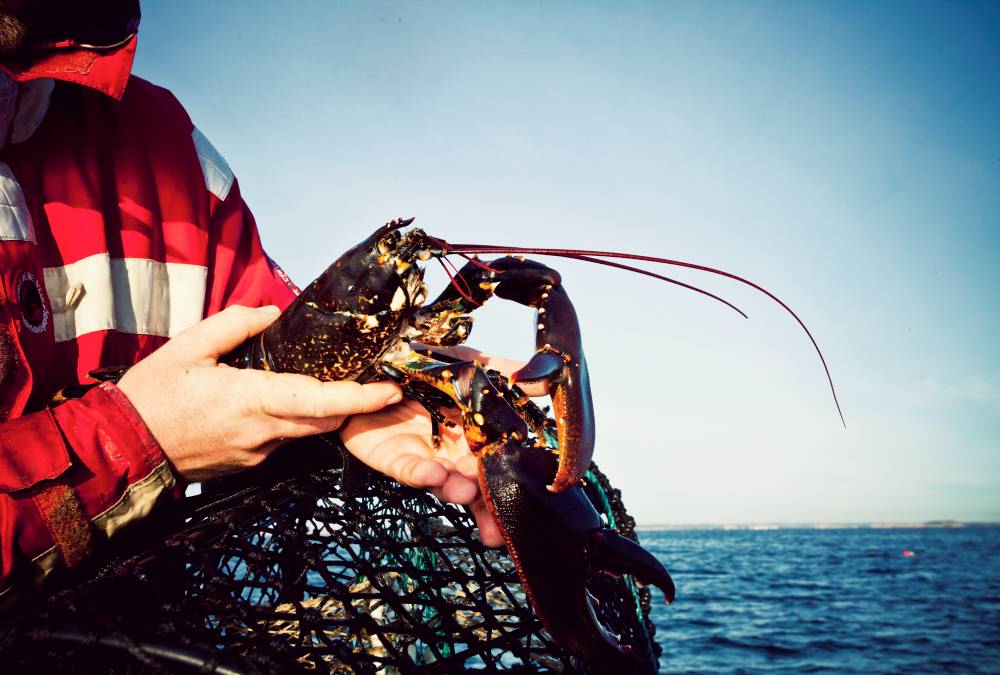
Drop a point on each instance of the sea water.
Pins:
(838, 600)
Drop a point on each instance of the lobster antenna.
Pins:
(639, 270)
(577, 253)
(454, 279)
(478, 263)
(630, 268)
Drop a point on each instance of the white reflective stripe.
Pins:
(139, 499)
(218, 175)
(130, 295)
(15, 219)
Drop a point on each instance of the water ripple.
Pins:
(844, 601)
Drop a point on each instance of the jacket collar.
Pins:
(104, 69)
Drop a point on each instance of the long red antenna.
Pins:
(478, 263)
(580, 254)
(630, 268)
(455, 278)
(639, 270)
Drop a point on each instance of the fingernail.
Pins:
(395, 397)
(271, 309)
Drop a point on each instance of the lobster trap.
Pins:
(327, 569)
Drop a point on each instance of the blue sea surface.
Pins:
(844, 601)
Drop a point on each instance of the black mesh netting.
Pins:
(332, 570)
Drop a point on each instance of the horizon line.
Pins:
(821, 525)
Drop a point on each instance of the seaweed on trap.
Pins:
(329, 570)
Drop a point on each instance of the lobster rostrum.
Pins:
(357, 320)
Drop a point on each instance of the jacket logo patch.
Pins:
(34, 313)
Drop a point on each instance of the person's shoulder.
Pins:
(153, 102)
(154, 115)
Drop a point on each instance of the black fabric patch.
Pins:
(34, 313)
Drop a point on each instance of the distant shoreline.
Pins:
(930, 524)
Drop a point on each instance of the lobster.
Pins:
(359, 319)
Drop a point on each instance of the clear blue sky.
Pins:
(845, 155)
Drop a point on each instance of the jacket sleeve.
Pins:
(240, 272)
(70, 478)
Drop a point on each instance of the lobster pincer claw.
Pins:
(614, 552)
(560, 363)
(557, 541)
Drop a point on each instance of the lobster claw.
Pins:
(557, 540)
(558, 361)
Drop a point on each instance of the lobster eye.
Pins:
(389, 243)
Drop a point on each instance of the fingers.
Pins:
(298, 396)
(457, 489)
(408, 459)
(298, 427)
(489, 531)
(222, 332)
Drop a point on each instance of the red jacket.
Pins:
(120, 225)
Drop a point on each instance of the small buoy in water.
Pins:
(907, 553)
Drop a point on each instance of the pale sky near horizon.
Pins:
(846, 156)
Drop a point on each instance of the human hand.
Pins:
(212, 420)
(396, 442)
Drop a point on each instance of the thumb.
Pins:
(221, 333)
